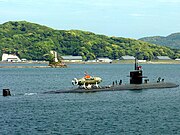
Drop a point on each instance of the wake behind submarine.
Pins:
(137, 82)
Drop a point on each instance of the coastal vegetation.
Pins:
(33, 42)
(172, 40)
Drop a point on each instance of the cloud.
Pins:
(137, 15)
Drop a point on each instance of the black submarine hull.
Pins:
(160, 85)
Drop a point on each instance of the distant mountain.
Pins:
(172, 40)
(34, 41)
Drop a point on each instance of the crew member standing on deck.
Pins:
(139, 68)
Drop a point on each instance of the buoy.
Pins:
(6, 92)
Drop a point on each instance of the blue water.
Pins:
(28, 111)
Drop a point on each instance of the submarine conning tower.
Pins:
(136, 75)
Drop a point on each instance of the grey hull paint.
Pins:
(160, 85)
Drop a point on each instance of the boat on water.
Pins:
(87, 82)
(137, 82)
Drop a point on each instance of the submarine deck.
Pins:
(159, 85)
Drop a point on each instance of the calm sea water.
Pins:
(28, 111)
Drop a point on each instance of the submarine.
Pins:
(137, 82)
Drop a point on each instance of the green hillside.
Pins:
(172, 40)
(33, 41)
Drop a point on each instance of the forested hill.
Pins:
(33, 41)
(172, 40)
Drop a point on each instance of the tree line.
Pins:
(34, 42)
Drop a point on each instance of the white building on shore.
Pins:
(127, 57)
(71, 58)
(163, 58)
(10, 58)
(178, 59)
(105, 60)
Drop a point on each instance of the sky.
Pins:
(120, 18)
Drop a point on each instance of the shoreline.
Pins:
(25, 67)
(124, 62)
(30, 65)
